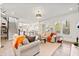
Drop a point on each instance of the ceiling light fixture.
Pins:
(38, 14)
(70, 9)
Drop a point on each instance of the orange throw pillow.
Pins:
(19, 41)
(49, 38)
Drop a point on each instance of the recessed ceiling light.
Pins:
(70, 9)
(12, 13)
(1, 3)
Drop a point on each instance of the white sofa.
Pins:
(30, 49)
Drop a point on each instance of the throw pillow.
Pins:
(49, 38)
(36, 38)
(26, 41)
(19, 41)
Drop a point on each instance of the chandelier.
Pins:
(38, 14)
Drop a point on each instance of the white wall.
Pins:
(73, 18)
(0, 27)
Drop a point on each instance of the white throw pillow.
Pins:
(36, 38)
(26, 41)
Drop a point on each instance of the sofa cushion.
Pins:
(30, 45)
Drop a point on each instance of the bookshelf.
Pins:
(4, 30)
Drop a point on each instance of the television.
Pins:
(78, 26)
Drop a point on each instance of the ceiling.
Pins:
(26, 11)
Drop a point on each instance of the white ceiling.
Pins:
(26, 10)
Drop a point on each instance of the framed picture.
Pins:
(66, 27)
(58, 27)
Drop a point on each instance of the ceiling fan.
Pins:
(3, 11)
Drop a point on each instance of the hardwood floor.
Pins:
(74, 51)
(6, 50)
(64, 50)
(47, 49)
(67, 49)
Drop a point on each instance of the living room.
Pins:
(50, 28)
